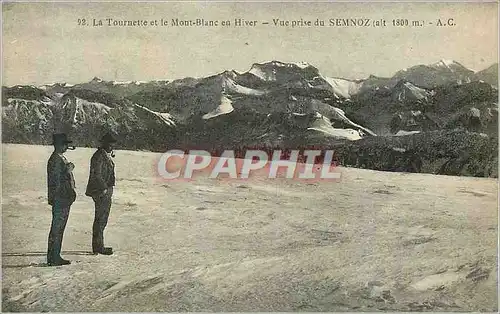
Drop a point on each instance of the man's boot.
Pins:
(53, 253)
(58, 262)
(103, 251)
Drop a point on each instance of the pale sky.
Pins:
(42, 42)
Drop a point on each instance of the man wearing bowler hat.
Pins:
(100, 188)
(61, 195)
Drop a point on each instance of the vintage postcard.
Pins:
(249, 157)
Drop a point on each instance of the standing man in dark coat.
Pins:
(61, 195)
(100, 188)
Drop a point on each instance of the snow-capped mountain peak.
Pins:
(444, 63)
(302, 64)
(121, 83)
(450, 65)
(97, 79)
(276, 63)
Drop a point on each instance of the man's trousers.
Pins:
(60, 214)
(102, 208)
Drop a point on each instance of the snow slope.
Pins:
(406, 91)
(225, 107)
(229, 85)
(324, 125)
(374, 241)
(165, 117)
(343, 87)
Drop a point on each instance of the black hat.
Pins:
(60, 138)
(108, 138)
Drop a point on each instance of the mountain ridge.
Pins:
(494, 65)
(279, 103)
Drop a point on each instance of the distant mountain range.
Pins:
(273, 103)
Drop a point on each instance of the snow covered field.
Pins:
(373, 241)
